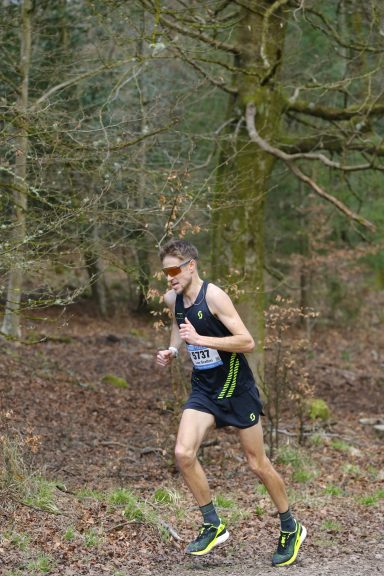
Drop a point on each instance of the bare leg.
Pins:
(252, 442)
(193, 428)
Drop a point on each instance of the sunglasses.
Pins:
(173, 271)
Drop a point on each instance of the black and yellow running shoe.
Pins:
(289, 546)
(209, 537)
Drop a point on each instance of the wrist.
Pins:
(174, 351)
(198, 341)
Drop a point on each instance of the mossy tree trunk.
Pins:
(142, 245)
(93, 263)
(244, 169)
(11, 322)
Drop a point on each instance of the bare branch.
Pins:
(126, 143)
(305, 155)
(191, 33)
(289, 161)
(201, 71)
(330, 30)
(79, 78)
(10, 83)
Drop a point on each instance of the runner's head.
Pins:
(178, 258)
(181, 249)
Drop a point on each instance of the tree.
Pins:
(11, 324)
(67, 132)
(286, 104)
(160, 117)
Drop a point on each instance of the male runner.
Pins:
(223, 393)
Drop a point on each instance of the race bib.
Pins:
(204, 358)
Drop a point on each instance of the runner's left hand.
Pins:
(188, 333)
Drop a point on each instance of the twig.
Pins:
(208, 443)
(150, 449)
(65, 490)
(325, 434)
(162, 523)
(171, 530)
(117, 526)
(128, 458)
(113, 443)
(55, 513)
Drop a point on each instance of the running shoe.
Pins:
(289, 546)
(209, 537)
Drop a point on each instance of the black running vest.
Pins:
(220, 374)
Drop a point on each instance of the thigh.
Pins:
(193, 428)
(252, 441)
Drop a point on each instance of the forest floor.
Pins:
(104, 495)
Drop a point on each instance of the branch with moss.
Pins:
(265, 29)
(290, 162)
(333, 113)
(338, 144)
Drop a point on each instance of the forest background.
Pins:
(253, 128)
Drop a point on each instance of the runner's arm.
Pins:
(222, 307)
(165, 357)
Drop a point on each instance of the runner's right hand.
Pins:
(164, 357)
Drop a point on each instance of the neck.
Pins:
(190, 293)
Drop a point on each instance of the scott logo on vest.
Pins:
(199, 314)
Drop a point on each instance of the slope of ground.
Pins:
(116, 505)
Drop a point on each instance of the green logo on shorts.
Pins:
(199, 314)
(252, 416)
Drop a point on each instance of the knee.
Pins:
(185, 456)
(260, 467)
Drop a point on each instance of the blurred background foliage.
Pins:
(135, 131)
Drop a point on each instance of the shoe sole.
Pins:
(298, 544)
(220, 540)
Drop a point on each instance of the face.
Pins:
(178, 272)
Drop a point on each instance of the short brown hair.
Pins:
(180, 249)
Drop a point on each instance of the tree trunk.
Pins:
(11, 322)
(244, 169)
(96, 273)
(142, 247)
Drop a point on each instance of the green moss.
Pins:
(115, 381)
(318, 409)
(340, 445)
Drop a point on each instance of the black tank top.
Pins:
(230, 374)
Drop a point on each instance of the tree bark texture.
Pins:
(96, 273)
(11, 322)
(244, 168)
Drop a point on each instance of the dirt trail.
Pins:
(353, 566)
(98, 437)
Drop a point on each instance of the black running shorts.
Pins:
(240, 411)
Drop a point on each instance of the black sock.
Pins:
(210, 515)
(288, 523)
